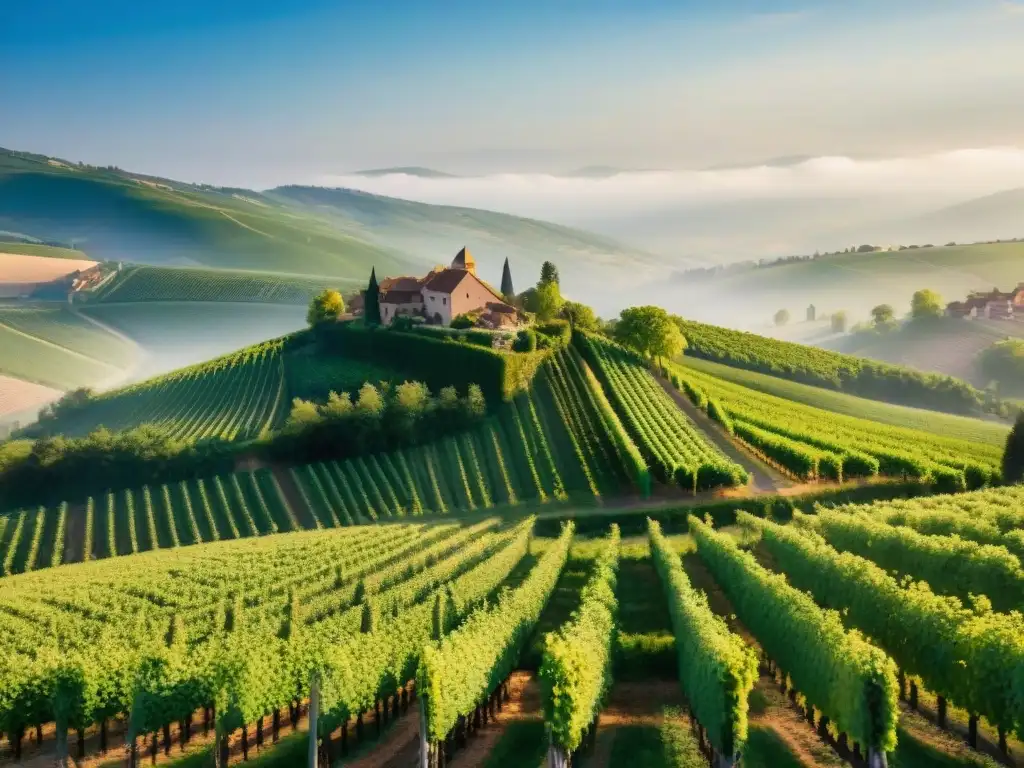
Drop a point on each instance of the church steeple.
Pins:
(464, 260)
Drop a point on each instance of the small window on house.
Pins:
(432, 298)
(444, 300)
(467, 294)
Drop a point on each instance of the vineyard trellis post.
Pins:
(314, 712)
(424, 742)
(557, 755)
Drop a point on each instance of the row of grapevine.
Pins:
(811, 442)
(950, 565)
(576, 667)
(372, 665)
(237, 611)
(141, 283)
(235, 397)
(992, 516)
(824, 368)
(716, 668)
(848, 680)
(459, 673)
(674, 448)
(970, 656)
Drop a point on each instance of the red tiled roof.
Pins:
(403, 283)
(445, 281)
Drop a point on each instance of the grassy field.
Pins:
(962, 427)
(31, 359)
(37, 249)
(60, 325)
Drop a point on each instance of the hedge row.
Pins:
(438, 363)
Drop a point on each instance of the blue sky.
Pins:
(259, 93)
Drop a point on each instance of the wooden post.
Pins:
(1003, 747)
(942, 711)
(913, 695)
(314, 714)
(344, 739)
(425, 747)
(167, 738)
(557, 756)
(81, 743)
(259, 733)
(275, 725)
(103, 736)
(972, 731)
(245, 742)
(877, 758)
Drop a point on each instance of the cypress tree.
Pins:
(1013, 458)
(548, 273)
(371, 301)
(507, 290)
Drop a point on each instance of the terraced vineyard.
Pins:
(143, 283)
(547, 445)
(812, 443)
(674, 447)
(235, 397)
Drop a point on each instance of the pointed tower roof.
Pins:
(464, 260)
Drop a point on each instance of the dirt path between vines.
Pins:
(634, 704)
(764, 478)
(523, 704)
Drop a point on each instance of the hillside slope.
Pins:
(854, 282)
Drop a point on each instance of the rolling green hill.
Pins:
(119, 216)
(853, 282)
(143, 283)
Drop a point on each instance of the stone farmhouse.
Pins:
(444, 294)
(993, 305)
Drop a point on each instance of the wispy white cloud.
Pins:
(929, 179)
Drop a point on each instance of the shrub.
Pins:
(526, 341)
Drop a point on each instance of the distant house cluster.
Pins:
(444, 294)
(991, 305)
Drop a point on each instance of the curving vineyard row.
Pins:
(848, 680)
(823, 368)
(242, 622)
(812, 443)
(141, 283)
(674, 448)
(546, 445)
(950, 565)
(992, 516)
(576, 667)
(235, 397)
(716, 669)
(971, 656)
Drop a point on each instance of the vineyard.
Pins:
(363, 623)
(674, 448)
(144, 283)
(235, 397)
(548, 444)
(811, 443)
(42, 362)
(67, 329)
(832, 370)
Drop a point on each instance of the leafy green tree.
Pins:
(883, 315)
(463, 321)
(839, 321)
(325, 307)
(371, 302)
(926, 303)
(548, 274)
(303, 413)
(650, 331)
(1004, 362)
(507, 289)
(370, 400)
(548, 301)
(580, 316)
(1013, 458)
(782, 317)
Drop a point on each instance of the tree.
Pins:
(325, 307)
(371, 302)
(926, 303)
(782, 317)
(462, 322)
(883, 314)
(547, 301)
(1004, 362)
(1013, 458)
(548, 274)
(650, 331)
(839, 322)
(580, 316)
(507, 290)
